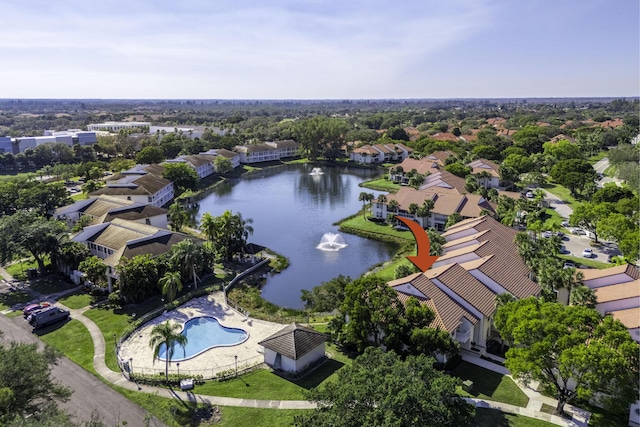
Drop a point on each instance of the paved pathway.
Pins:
(560, 206)
(532, 409)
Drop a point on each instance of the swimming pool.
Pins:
(204, 333)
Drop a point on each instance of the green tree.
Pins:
(178, 216)
(611, 193)
(365, 197)
(404, 270)
(590, 215)
(183, 176)
(187, 257)
(519, 163)
(166, 335)
(26, 386)
(327, 296)
(553, 344)
(227, 233)
(381, 389)
(563, 150)
(458, 169)
(573, 174)
(321, 136)
(95, 269)
(25, 231)
(171, 284)
(43, 199)
(452, 219)
(150, 155)
(222, 165)
(432, 341)
(138, 277)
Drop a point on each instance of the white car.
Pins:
(578, 231)
(565, 223)
(588, 253)
(547, 234)
(530, 195)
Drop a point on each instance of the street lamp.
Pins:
(236, 357)
(178, 365)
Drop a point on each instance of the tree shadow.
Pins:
(193, 410)
(314, 377)
(484, 381)
(50, 328)
(490, 417)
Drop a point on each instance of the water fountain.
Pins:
(316, 171)
(332, 242)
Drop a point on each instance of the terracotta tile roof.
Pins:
(511, 194)
(462, 225)
(618, 291)
(294, 341)
(628, 269)
(483, 165)
(404, 147)
(470, 238)
(287, 143)
(508, 271)
(444, 136)
(422, 166)
(439, 156)
(629, 317)
(462, 283)
(255, 148)
(445, 179)
(366, 149)
(448, 312)
(134, 212)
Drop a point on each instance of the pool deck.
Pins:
(212, 361)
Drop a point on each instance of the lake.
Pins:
(291, 211)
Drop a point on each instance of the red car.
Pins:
(34, 307)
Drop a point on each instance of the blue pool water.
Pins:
(202, 334)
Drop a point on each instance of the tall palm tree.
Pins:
(178, 216)
(166, 334)
(171, 284)
(364, 198)
(393, 206)
(185, 256)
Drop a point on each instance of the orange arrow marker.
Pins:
(422, 259)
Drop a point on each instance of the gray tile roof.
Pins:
(294, 341)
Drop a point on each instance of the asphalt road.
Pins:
(90, 394)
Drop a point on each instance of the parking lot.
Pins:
(575, 244)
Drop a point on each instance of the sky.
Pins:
(319, 49)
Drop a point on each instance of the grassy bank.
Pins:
(381, 184)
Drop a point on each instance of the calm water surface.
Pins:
(291, 210)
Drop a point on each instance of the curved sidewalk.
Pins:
(532, 410)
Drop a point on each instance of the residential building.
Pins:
(486, 172)
(286, 148)
(110, 241)
(118, 126)
(105, 208)
(380, 153)
(233, 157)
(143, 184)
(6, 144)
(68, 137)
(461, 287)
(255, 153)
(617, 291)
(203, 165)
(445, 202)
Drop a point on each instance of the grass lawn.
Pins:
(610, 171)
(594, 159)
(388, 272)
(73, 339)
(19, 269)
(232, 417)
(51, 285)
(491, 385)
(493, 418)
(563, 193)
(381, 184)
(383, 229)
(553, 218)
(586, 261)
(14, 314)
(11, 299)
(76, 300)
(79, 196)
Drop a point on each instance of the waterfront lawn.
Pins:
(381, 184)
(490, 385)
(76, 300)
(388, 273)
(74, 340)
(358, 224)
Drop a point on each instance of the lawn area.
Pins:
(10, 299)
(586, 261)
(19, 269)
(79, 196)
(110, 324)
(51, 285)
(388, 272)
(490, 385)
(563, 193)
(381, 184)
(492, 418)
(73, 339)
(594, 159)
(77, 300)
(358, 223)
(232, 417)
(554, 218)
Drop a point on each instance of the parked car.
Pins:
(588, 253)
(563, 249)
(547, 234)
(47, 316)
(565, 223)
(578, 231)
(530, 195)
(34, 307)
(568, 264)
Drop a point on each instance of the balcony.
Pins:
(463, 335)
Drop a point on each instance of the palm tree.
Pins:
(393, 206)
(171, 284)
(178, 216)
(413, 209)
(364, 198)
(208, 226)
(166, 334)
(185, 256)
(425, 210)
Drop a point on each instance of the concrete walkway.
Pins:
(532, 410)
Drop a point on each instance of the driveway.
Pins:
(600, 166)
(563, 208)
